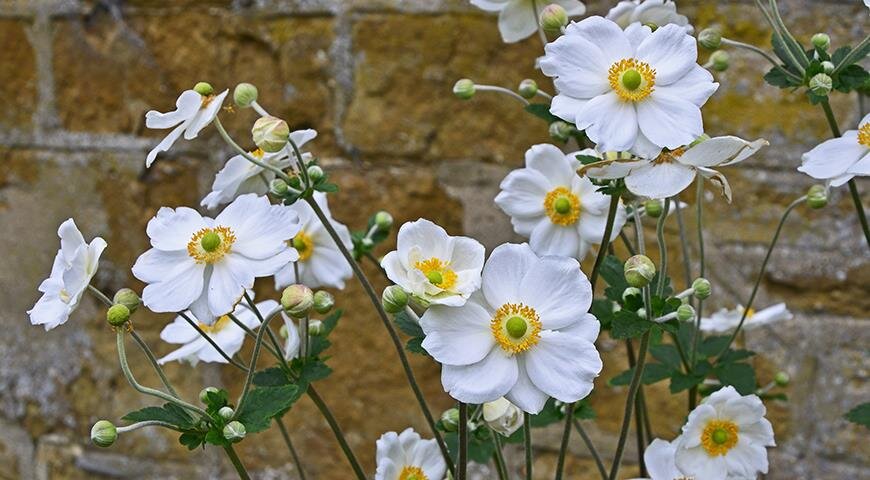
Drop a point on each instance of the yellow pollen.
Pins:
(562, 206)
(258, 153)
(437, 272)
(669, 156)
(718, 437)
(508, 332)
(412, 473)
(201, 255)
(633, 68)
(304, 244)
(219, 325)
(206, 99)
(864, 135)
(750, 313)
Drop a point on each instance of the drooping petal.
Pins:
(490, 5)
(204, 116)
(483, 381)
(724, 150)
(660, 180)
(164, 144)
(185, 107)
(457, 335)
(517, 21)
(49, 311)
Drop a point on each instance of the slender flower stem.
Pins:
(462, 461)
(767, 56)
(147, 423)
(226, 136)
(761, 273)
(498, 458)
(153, 360)
(696, 334)
(541, 34)
(258, 343)
(377, 264)
(663, 249)
(544, 94)
(684, 244)
(527, 442)
(628, 246)
(638, 231)
(237, 462)
(333, 424)
(211, 342)
(792, 47)
(280, 422)
(272, 338)
(253, 335)
(605, 241)
(638, 414)
(100, 295)
(629, 402)
(592, 451)
(506, 91)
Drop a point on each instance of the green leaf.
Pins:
(652, 373)
(313, 371)
(680, 381)
(850, 78)
(169, 413)
(480, 445)
(542, 111)
(271, 377)
(667, 354)
(777, 78)
(408, 325)
(612, 272)
(860, 415)
(216, 437)
(712, 346)
(415, 345)
(264, 403)
(319, 343)
(628, 325)
(326, 187)
(732, 356)
(587, 159)
(602, 310)
(741, 376)
(191, 440)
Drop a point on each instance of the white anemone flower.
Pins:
(672, 171)
(559, 212)
(74, 266)
(320, 262)
(434, 266)
(726, 320)
(839, 160)
(726, 436)
(502, 416)
(205, 264)
(526, 336)
(192, 113)
(224, 332)
(518, 19)
(634, 90)
(660, 463)
(240, 176)
(406, 456)
(655, 12)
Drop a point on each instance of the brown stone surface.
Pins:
(17, 75)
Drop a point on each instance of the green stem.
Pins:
(541, 34)
(527, 442)
(852, 56)
(498, 458)
(253, 335)
(258, 343)
(506, 91)
(684, 244)
(237, 463)
(286, 435)
(272, 338)
(629, 401)
(696, 334)
(147, 423)
(628, 246)
(602, 470)
(663, 249)
(212, 342)
(100, 295)
(153, 360)
(339, 436)
(638, 415)
(462, 461)
(605, 241)
(767, 56)
(226, 136)
(791, 44)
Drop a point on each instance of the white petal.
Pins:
(578, 65)
(164, 144)
(177, 290)
(610, 122)
(697, 86)
(301, 137)
(862, 167)
(572, 7)
(70, 239)
(185, 351)
(431, 239)
(205, 116)
(834, 157)
(179, 331)
(637, 33)
(557, 290)
(660, 180)
(586, 329)
(329, 267)
(457, 335)
(49, 311)
(659, 460)
(503, 272)
(720, 151)
(153, 265)
(746, 459)
(562, 366)
(483, 381)
(695, 462)
(517, 21)
(552, 163)
(186, 106)
(567, 108)
(669, 121)
(172, 229)
(524, 394)
(229, 280)
(644, 148)
(550, 239)
(670, 51)
(468, 254)
(261, 229)
(606, 35)
(522, 193)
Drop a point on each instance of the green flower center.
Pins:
(210, 241)
(720, 436)
(631, 79)
(299, 243)
(435, 277)
(562, 205)
(516, 327)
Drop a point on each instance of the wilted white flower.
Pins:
(320, 262)
(838, 160)
(726, 320)
(192, 113)
(518, 19)
(406, 456)
(434, 266)
(526, 336)
(205, 264)
(502, 416)
(655, 12)
(560, 212)
(74, 266)
(633, 90)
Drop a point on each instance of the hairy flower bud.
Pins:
(279, 187)
(203, 88)
(821, 84)
(234, 431)
(464, 89)
(685, 312)
(323, 301)
(104, 433)
(828, 67)
(528, 88)
(639, 271)
(128, 298)
(226, 413)
(315, 173)
(203, 394)
(450, 420)
(394, 299)
(502, 416)
(702, 288)
(561, 131)
(821, 41)
(817, 197)
(653, 208)
(315, 327)
(782, 379)
(383, 220)
(270, 134)
(117, 315)
(553, 18)
(710, 38)
(720, 60)
(297, 300)
(244, 95)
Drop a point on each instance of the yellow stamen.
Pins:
(750, 313)
(669, 156)
(437, 272)
(258, 153)
(718, 437)
(562, 206)
(631, 79)
(219, 325)
(411, 472)
(304, 244)
(516, 327)
(218, 243)
(864, 135)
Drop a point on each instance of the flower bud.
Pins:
(244, 95)
(203, 88)
(270, 134)
(653, 208)
(464, 89)
(383, 220)
(817, 197)
(781, 379)
(821, 84)
(629, 292)
(639, 271)
(234, 431)
(297, 300)
(450, 420)
(685, 312)
(128, 298)
(821, 41)
(561, 131)
(502, 416)
(702, 288)
(315, 327)
(104, 433)
(323, 301)
(720, 60)
(710, 38)
(828, 67)
(203, 394)
(117, 315)
(226, 413)
(315, 173)
(641, 312)
(279, 187)
(295, 182)
(553, 18)
(528, 88)
(394, 299)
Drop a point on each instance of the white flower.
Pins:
(502, 416)
(517, 19)
(656, 12)
(224, 332)
(207, 264)
(727, 320)
(838, 160)
(635, 90)
(725, 437)
(294, 340)
(526, 336)
(659, 460)
(192, 113)
(74, 266)
(320, 262)
(240, 176)
(407, 456)
(434, 266)
(559, 212)
(672, 171)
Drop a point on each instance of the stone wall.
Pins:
(374, 78)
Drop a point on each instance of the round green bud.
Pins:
(244, 95)
(128, 298)
(639, 271)
(821, 41)
(641, 312)
(394, 299)
(553, 18)
(315, 173)
(781, 379)
(561, 131)
(323, 301)
(653, 208)
(203, 394)
(720, 60)
(234, 431)
(828, 67)
(528, 88)
(450, 420)
(203, 88)
(817, 197)
(701, 288)
(383, 220)
(685, 312)
(117, 315)
(463, 89)
(629, 292)
(279, 187)
(297, 300)
(710, 38)
(226, 413)
(315, 327)
(821, 84)
(104, 433)
(270, 134)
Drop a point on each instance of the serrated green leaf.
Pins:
(628, 325)
(860, 415)
(732, 356)
(191, 440)
(264, 403)
(312, 371)
(680, 381)
(215, 437)
(777, 78)
(712, 346)
(850, 78)
(612, 272)
(319, 343)
(602, 310)
(271, 377)
(169, 413)
(741, 376)
(326, 187)
(666, 354)
(408, 325)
